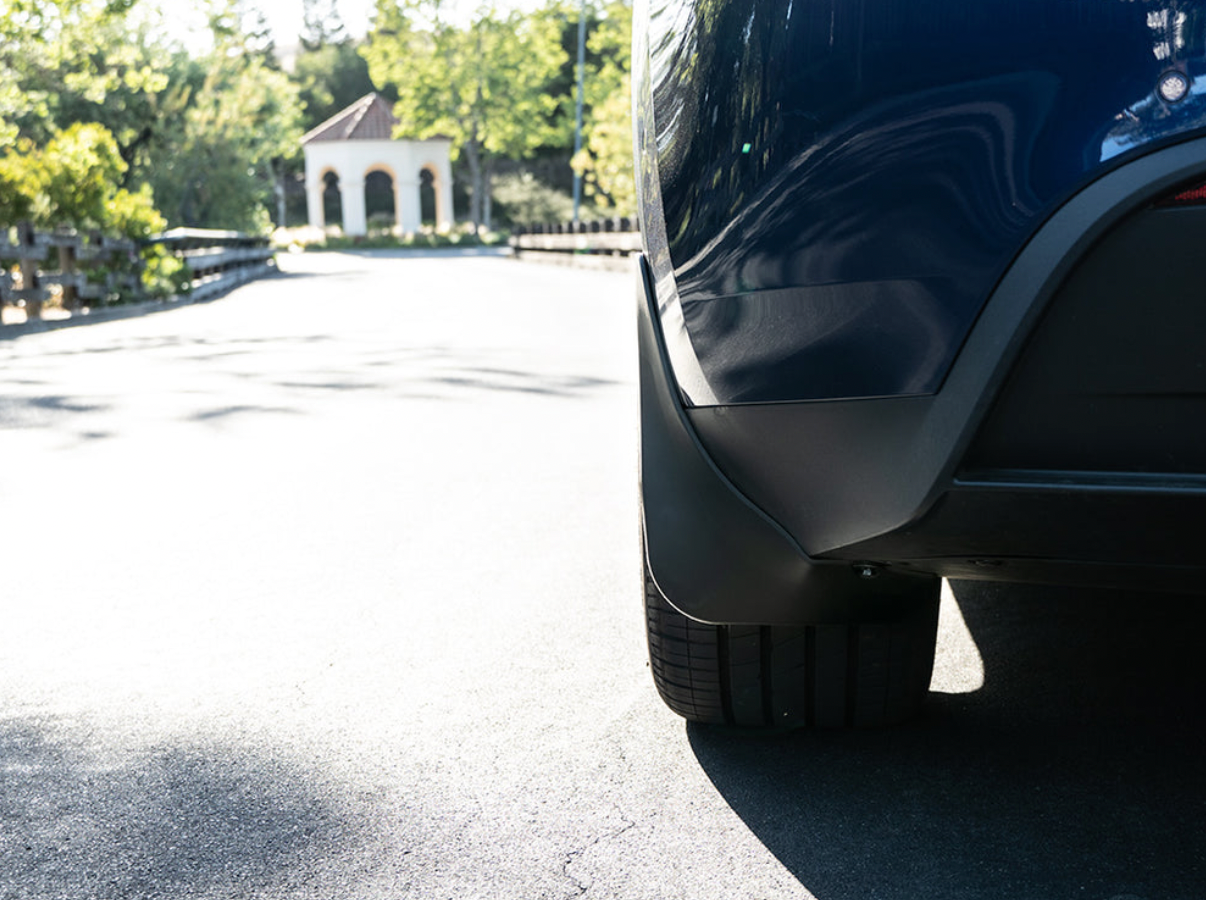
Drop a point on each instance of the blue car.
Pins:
(922, 296)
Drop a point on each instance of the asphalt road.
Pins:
(329, 589)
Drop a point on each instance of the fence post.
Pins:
(29, 271)
(71, 299)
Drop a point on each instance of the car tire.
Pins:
(826, 676)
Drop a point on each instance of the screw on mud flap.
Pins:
(866, 570)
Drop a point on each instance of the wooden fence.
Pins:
(80, 269)
(603, 237)
(92, 270)
(218, 260)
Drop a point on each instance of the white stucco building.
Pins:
(356, 147)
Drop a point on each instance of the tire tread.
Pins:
(827, 676)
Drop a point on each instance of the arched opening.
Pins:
(379, 202)
(427, 197)
(332, 200)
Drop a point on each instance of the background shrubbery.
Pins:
(108, 123)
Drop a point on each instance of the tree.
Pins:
(330, 78)
(233, 119)
(606, 160)
(82, 80)
(78, 97)
(69, 61)
(483, 84)
(221, 167)
(239, 28)
(72, 181)
(323, 25)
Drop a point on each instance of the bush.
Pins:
(381, 223)
(521, 199)
(163, 274)
(307, 238)
(20, 184)
(73, 182)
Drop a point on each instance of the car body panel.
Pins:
(953, 327)
(869, 170)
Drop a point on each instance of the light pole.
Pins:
(578, 116)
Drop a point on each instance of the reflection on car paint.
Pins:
(888, 161)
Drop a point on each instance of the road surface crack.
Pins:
(582, 886)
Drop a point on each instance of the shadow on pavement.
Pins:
(287, 373)
(1076, 771)
(172, 822)
(499, 252)
(99, 314)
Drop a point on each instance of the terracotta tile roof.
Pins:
(368, 119)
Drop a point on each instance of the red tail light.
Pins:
(1193, 196)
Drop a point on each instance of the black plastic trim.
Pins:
(1112, 379)
(835, 474)
(1089, 482)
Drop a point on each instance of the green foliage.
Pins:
(483, 84)
(240, 29)
(79, 169)
(610, 46)
(330, 78)
(521, 199)
(330, 73)
(208, 137)
(20, 184)
(424, 239)
(73, 182)
(99, 112)
(323, 25)
(133, 214)
(234, 120)
(605, 161)
(69, 61)
(164, 275)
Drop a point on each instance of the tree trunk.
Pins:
(487, 195)
(277, 167)
(473, 157)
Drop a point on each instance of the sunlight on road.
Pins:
(958, 666)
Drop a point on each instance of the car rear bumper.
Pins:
(1067, 445)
